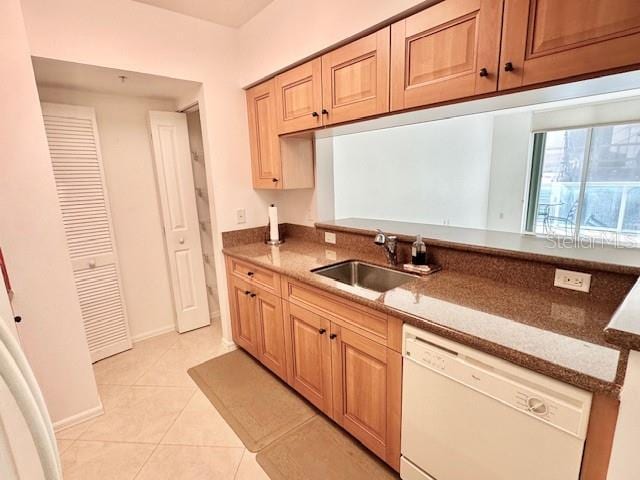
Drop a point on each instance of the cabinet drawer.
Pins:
(260, 277)
(365, 321)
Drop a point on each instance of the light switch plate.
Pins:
(241, 215)
(572, 280)
(330, 237)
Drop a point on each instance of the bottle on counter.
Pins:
(419, 252)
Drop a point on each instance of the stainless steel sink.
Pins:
(363, 275)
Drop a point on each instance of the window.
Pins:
(585, 183)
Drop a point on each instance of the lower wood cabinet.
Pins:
(243, 324)
(367, 392)
(353, 379)
(343, 369)
(257, 324)
(307, 337)
(270, 326)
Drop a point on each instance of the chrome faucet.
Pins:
(390, 245)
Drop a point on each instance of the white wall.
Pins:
(509, 170)
(131, 185)
(427, 173)
(32, 236)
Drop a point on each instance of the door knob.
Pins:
(181, 240)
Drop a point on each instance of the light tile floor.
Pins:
(157, 424)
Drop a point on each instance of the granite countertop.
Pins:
(554, 334)
(624, 328)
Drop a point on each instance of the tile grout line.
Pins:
(162, 438)
(155, 362)
(244, 452)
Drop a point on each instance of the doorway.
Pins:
(152, 300)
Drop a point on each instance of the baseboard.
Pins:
(78, 418)
(153, 333)
(229, 344)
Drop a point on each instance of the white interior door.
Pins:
(177, 195)
(74, 147)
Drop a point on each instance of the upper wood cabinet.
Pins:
(445, 52)
(299, 97)
(345, 84)
(547, 40)
(265, 146)
(452, 50)
(355, 79)
(276, 163)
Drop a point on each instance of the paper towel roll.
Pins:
(275, 256)
(274, 235)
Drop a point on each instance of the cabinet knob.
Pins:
(17, 319)
(274, 180)
(333, 336)
(322, 331)
(314, 114)
(247, 292)
(252, 295)
(325, 112)
(251, 274)
(484, 72)
(508, 67)
(92, 263)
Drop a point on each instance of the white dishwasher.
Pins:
(469, 416)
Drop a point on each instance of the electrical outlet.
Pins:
(330, 237)
(241, 215)
(572, 280)
(330, 255)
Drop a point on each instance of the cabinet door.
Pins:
(308, 345)
(243, 324)
(445, 52)
(367, 392)
(270, 325)
(547, 40)
(299, 97)
(263, 136)
(355, 79)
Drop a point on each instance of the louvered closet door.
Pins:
(77, 166)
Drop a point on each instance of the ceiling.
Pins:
(56, 73)
(231, 13)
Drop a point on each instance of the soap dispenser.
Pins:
(418, 252)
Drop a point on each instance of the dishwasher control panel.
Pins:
(533, 394)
